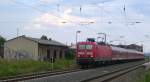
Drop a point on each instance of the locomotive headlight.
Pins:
(92, 56)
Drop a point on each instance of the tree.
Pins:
(2, 41)
(44, 37)
(70, 54)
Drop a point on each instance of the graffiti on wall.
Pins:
(19, 54)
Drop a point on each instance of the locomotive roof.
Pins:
(115, 48)
(87, 43)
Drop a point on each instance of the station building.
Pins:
(23, 47)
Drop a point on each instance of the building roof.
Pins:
(44, 42)
(47, 42)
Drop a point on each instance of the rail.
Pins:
(112, 75)
(36, 75)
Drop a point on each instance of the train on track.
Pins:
(92, 52)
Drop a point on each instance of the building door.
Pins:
(55, 54)
(48, 54)
(60, 54)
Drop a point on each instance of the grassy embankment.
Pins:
(13, 67)
(147, 74)
(147, 77)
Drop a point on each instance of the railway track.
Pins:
(77, 75)
(108, 77)
(36, 75)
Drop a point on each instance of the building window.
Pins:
(60, 54)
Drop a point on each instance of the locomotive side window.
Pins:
(88, 47)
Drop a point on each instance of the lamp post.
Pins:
(104, 36)
(77, 32)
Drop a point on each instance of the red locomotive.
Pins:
(91, 52)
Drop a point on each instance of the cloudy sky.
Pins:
(124, 21)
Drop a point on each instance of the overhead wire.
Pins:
(29, 6)
(124, 9)
(43, 11)
(22, 4)
(37, 9)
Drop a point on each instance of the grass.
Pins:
(146, 77)
(14, 67)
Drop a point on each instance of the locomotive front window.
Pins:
(85, 46)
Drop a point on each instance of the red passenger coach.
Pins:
(91, 52)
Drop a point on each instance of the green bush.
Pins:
(70, 54)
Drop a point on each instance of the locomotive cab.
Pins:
(85, 52)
